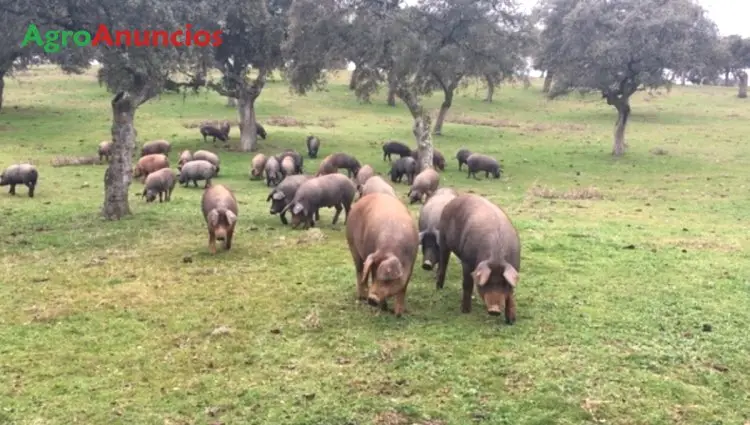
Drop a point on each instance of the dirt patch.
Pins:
(391, 418)
(327, 122)
(502, 123)
(700, 244)
(196, 124)
(64, 161)
(312, 235)
(588, 193)
(286, 121)
(658, 151)
(6, 128)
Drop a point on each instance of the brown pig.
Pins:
(150, 163)
(156, 146)
(160, 182)
(257, 166)
(287, 166)
(210, 157)
(220, 212)
(362, 175)
(482, 236)
(105, 150)
(425, 184)
(383, 241)
(185, 157)
(333, 162)
(377, 184)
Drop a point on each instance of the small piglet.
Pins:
(394, 147)
(330, 190)
(257, 166)
(482, 236)
(282, 195)
(25, 174)
(383, 241)
(220, 212)
(429, 219)
(478, 162)
(313, 145)
(197, 169)
(272, 169)
(105, 150)
(333, 162)
(150, 163)
(159, 182)
(425, 184)
(376, 184)
(156, 146)
(406, 166)
(185, 157)
(461, 156)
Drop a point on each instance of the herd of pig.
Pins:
(381, 234)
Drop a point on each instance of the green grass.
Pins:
(632, 308)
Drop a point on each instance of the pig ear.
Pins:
(213, 217)
(481, 274)
(511, 275)
(231, 217)
(278, 196)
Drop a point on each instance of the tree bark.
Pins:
(547, 82)
(391, 90)
(248, 129)
(2, 89)
(447, 102)
(623, 113)
(353, 78)
(231, 102)
(726, 78)
(742, 77)
(420, 129)
(490, 88)
(117, 178)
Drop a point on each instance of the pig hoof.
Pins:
(373, 302)
(510, 321)
(426, 265)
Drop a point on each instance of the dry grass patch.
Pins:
(487, 122)
(587, 193)
(391, 418)
(64, 161)
(658, 151)
(286, 121)
(327, 122)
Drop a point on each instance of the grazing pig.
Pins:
(185, 157)
(429, 219)
(287, 166)
(383, 241)
(208, 156)
(150, 163)
(425, 184)
(438, 160)
(273, 171)
(156, 146)
(296, 156)
(398, 148)
(406, 166)
(257, 166)
(220, 212)
(105, 150)
(25, 174)
(159, 182)
(214, 131)
(461, 156)
(197, 169)
(333, 162)
(331, 190)
(283, 194)
(482, 236)
(260, 131)
(478, 162)
(362, 175)
(313, 144)
(376, 184)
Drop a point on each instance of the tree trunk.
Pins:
(623, 113)
(248, 129)
(420, 129)
(726, 78)
(391, 90)
(231, 102)
(2, 89)
(118, 175)
(682, 79)
(526, 82)
(547, 82)
(353, 78)
(444, 110)
(490, 88)
(742, 77)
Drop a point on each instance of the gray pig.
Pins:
(105, 150)
(25, 174)
(478, 162)
(425, 184)
(156, 146)
(429, 219)
(405, 166)
(482, 236)
(313, 144)
(283, 194)
(185, 157)
(362, 176)
(197, 169)
(330, 190)
(273, 171)
(376, 184)
(159, 182)
(210, 157)
(461, 156)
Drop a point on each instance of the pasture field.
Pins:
(633, 303)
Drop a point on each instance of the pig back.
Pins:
(218, 196)
(474, 228)
(382, 222)
(429, 214)
(335, 188)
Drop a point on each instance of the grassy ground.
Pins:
(632, 305)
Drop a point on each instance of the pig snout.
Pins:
(221, 233)
(495, 302)
(373, 300)
(430, 256)
(494, 310)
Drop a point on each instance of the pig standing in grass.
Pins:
(377, 184)
(185, 157)
(150, 163)
(282, 195)
(363, 175)
(195, 170)
(429, 220)
(406, 166)
(287, 166)
(461, 156)
(220, 212)
(273, 172)
(157, 183)
(425, 184)
(216, 130)
(333, 162)
(393, 147)
(478, 162)
(257, 166)
(296, 156)
(383, 241)
(313, 144)
(105, 150)
(208, 156)
(438, 160)
(482, 236)
(25, 174)
(156, 146)
(331, 190)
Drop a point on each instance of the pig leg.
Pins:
(510, 309)
(160, 199)
(338, 212)
(486, 174)
(283, 218)
(400, 301)
(317, 214)
(468, 287)
(228, 241)
(347, 208)
(212, 241)
(195, 183)
(208, 183)
(442, 266)
(31, 189)
(362, 289)
(12, 189)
